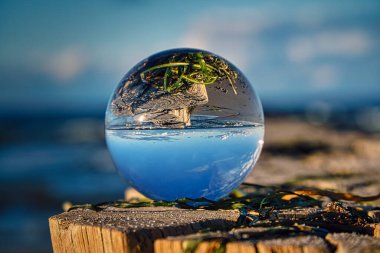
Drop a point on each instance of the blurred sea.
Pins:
(45, 161)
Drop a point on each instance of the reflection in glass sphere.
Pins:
(184, 123)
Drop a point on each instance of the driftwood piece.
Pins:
(354, 243)
(129, 230)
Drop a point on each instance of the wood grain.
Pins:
(354, 243)
(129, 230)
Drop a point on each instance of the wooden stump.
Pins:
(129, 230)
(172, 230)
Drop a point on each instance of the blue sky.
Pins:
(58, 56)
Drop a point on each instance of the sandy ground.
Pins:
(318, 156)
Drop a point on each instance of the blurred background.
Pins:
(60, 61)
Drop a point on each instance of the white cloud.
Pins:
(66, 64)
(325, 77)
(228, 32)
(300, 49)
(331, 43)
(269, 47)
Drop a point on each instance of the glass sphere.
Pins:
(184, 123)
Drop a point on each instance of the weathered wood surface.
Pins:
(302, 154)
(153, 229)
(246, 240)
(353, 243)
(129, 230)
(256, 243)
(337, 242)
(295, 154)
(300, 244)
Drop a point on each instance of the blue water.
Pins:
(43, 163)
(171, 164)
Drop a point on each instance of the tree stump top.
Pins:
(130, 230)
(171, 229)
(132, 219)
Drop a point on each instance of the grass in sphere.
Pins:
(182, 71)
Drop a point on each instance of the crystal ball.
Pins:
(184, 123)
